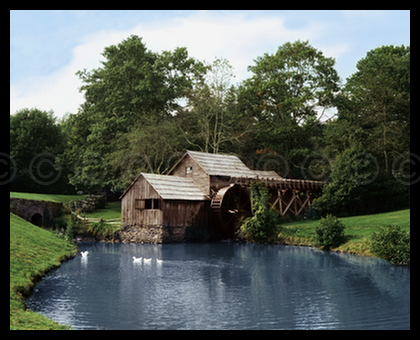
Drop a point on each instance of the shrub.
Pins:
(391, 243)
(261, 227)
(329, 233)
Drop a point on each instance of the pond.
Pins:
(223, 286)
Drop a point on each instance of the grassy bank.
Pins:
(45, 197)
(96, 229)
(358, 230)
(33, 252)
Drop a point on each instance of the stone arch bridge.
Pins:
(40, 213)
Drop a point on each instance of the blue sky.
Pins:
(48, 47)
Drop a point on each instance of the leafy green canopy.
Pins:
(134, 90)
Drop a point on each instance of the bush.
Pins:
(329, 233)
(391, 243)
(262, 226)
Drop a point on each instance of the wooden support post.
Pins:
(290, 203)
(304, 203)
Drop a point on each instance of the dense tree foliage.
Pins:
(143, 109)
(262, 226)
(287, 95)
(370, 139)
(36, 142)
(128, 100)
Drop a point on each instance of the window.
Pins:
(155, 203)
(188, 170)
(147, 204)
(139, 204)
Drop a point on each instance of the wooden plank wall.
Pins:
(198, 175)
(141, 189)
(172, 213)
(182, 213)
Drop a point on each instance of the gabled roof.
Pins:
(219, 165)
(172, 187)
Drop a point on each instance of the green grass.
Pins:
(33, 252)
(358, 230)
(46, 197)
(112, 210)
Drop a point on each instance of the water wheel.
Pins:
(228, 206)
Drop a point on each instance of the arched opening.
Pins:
(37, 219)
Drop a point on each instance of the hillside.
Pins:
(358, 230)
(33, 252)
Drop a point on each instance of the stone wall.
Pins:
(41, 213)
(153, 234)
(163, 234)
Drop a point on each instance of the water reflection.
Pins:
(224, 286)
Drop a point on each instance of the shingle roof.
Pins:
(174, 187)
(221, 165)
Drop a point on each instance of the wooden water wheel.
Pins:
(228, 206)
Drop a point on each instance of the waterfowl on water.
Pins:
(148, 260)
(135, 259)
(159, 261)
(84, 253)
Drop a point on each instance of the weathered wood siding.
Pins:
(141, 189)
(172, 213)
(188, 167)
(184, 213)
(218, 182)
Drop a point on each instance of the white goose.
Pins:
(135, 259)
(159, 261)
(147, 260)
(84, 253)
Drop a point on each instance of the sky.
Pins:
(47, 48)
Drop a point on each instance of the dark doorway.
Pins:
(37, 219)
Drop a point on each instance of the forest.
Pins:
(294, 115)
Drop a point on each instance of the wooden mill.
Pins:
(203, 189)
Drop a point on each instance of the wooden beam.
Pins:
(304, 203)
(290, 203)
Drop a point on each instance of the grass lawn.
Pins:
(358, 230)
(46, 197)
(33, 252)
(112, 210)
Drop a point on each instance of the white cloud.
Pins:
(206, 35)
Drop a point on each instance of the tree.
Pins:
(133, 87)
(36, 142)
(210, 122)
(289, 89)
(375, 104)
(374, 118)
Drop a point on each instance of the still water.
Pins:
(224, 286)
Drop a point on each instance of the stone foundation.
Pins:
(153, 234)
(162, 234)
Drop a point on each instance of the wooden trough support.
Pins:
(294, 204)
(288, 191)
